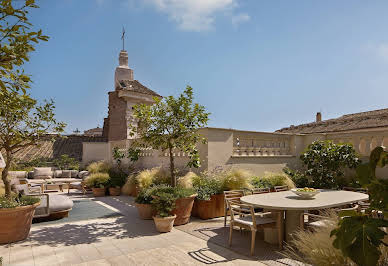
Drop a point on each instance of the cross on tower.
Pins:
(122, 37)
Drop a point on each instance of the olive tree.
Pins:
(171, 123)
(22, 123)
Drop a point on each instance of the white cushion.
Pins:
(43, 173)
(17, 174)
(259, 220)
(320, 223)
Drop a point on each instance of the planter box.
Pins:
(208, 209)
(15, 223)
(114, 191)
(145, 211)
(98, 192)
(183, 207)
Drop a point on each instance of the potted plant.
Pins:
(143, 204)
(163, 203)
(16, 215)
(210, 199)
(117, 180)
(183, 204)
(98, 183)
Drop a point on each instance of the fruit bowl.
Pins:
(306, 193)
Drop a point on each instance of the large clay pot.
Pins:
(183, 207)
(114, 191)
(208, 209)
(15, 223)
(98, 192)
(145, 211)
(164, 224)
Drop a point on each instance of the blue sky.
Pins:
(255, 65)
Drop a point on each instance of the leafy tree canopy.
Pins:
(17, 40)
(326, 161)
(171, 123)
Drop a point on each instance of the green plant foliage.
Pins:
(29, 165)
(65, 162)
(171, 123)
(97, 180)
(325, 162)
(299, 178)
(16, 43)
(207, 185)
(163, 203)
(99, 167)
(23, 122)
(235, 179)
(270, 180)
(359, 236)
(144, 196)
(15, 201)
(117, 177)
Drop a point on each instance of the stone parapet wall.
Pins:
(256, 151)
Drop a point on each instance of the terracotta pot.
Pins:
(15, 223)
(208, 209)
(164, 224)
(98, 192)
(145, 211)
(114, 191)
(183, 207)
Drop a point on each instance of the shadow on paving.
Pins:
(214, 232)
(126, 225)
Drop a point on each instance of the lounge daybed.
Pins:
(51, 206)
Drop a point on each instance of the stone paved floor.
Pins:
(124, 240)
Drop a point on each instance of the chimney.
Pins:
(319, 117)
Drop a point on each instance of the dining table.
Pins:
(292, 206)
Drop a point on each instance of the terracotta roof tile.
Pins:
(136, 86)
(370, 119)
(70, 145)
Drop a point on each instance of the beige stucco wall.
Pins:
(95, 151)
(255, 151)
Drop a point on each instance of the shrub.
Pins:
(271, 180)
(316, 248)
(299, 179)
(99, 167)
(65, 162)
(235, 179)
(117, 177)
(97, 180)
(326, 161)
(154, 176)
(207, 185)
(163, 203)
(16, 201)
(129, 186)
(144, 197)
(186, 181)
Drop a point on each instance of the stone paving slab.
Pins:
(124, 240)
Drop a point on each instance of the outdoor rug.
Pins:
(86, 209)
(213, 230)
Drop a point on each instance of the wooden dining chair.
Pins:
(280, 188)
(231, 195)
(311, 221)
(244, 216)
(260, 190)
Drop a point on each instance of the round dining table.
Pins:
(293, 206)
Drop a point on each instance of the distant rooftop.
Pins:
(136, 86)
(363, 120)
(52, 147)
(93, 132)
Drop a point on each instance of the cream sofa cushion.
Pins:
(43, 173)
